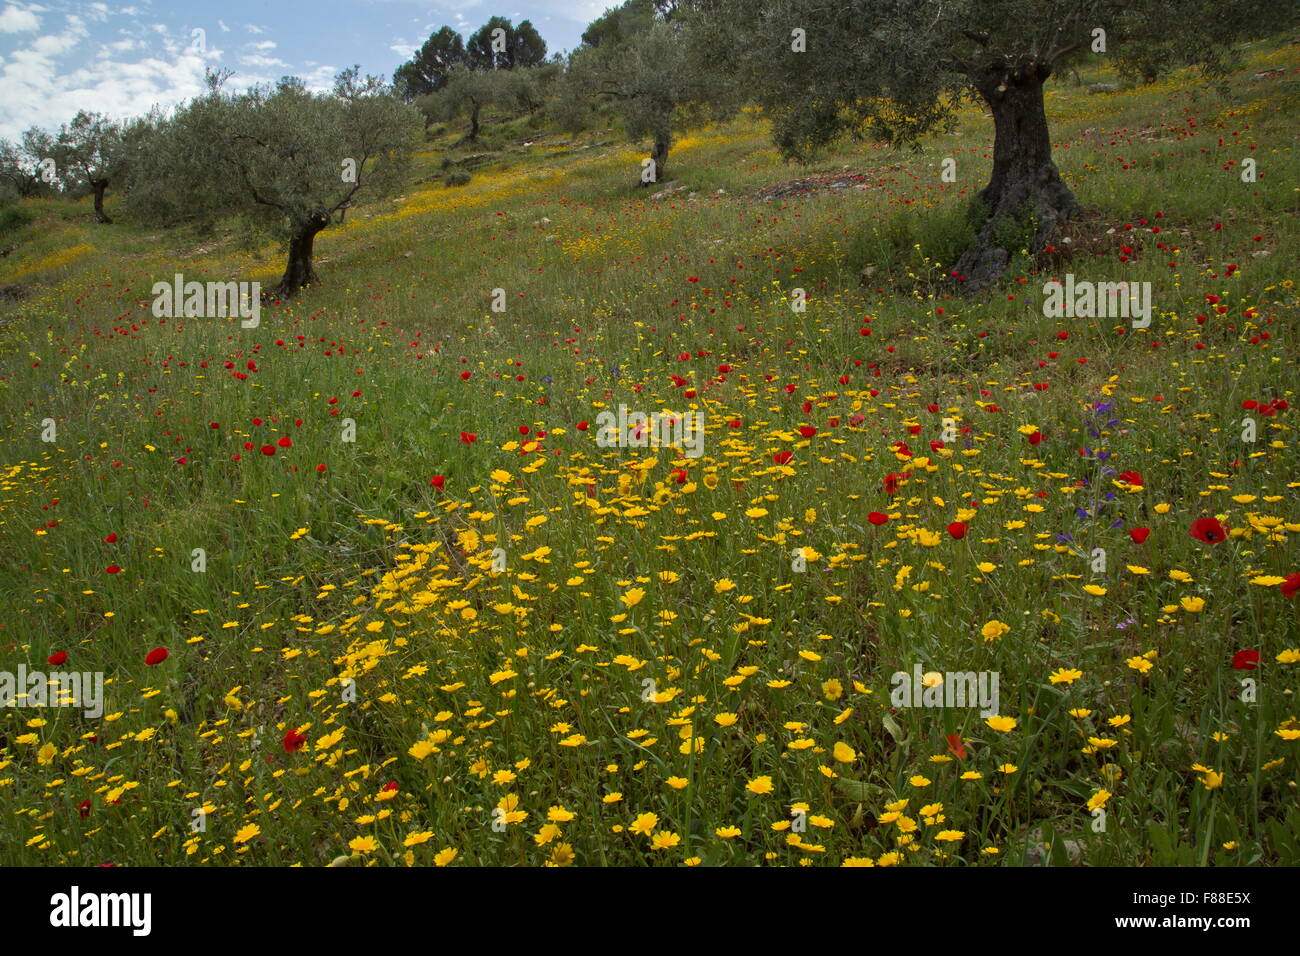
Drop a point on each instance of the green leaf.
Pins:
(858, 790)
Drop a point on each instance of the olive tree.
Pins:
(894, 70)
(27, 167)
(282, 160)
(465, 94)
(636, 58)
(88, 153)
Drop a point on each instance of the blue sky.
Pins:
(119, 58)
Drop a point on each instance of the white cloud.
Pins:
(321, 78)
(257, 61)
(18, 20)
(42, 91)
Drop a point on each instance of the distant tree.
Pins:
(527, 48)
(525, 89)
(636, 58)
(21, 164)
(618, 24)
(466, 93)
(88, 153)
(284, 161)
(426, 72)
(894, 70)
(508, 49)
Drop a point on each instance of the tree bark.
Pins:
(100, 186)
(1025, 191)
(298, 272)
(473, 123)
(659, 156)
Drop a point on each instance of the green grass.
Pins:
(383, 621)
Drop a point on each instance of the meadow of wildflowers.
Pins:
(365, 588)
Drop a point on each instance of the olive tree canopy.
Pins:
(89, 153)
(894, 70)
(637, 57)
(285, 161)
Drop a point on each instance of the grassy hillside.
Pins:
(651, 678)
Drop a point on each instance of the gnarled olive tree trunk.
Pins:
(1026, 191)
(100, 186)
(474, 109)
(298, 272)
(658, 156)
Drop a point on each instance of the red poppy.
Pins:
(390, 786)
(156, 656)
(956, 747)
(1208, 530)
(807, 431)
(268, 450)
(892, 481)
(465, 375)
(83, 809)
(285, 441)
(1132, 477)
(957, 529)
(438, 481)
(112, 536)
(1139, 535)
(582, 426)
(468, 438)
(293, 741)
(781, 457)
(57, 658)
(1036, 439)
(1245, 660)
(112, 569)
(877, 518)
(320, 467)
(1291, 586)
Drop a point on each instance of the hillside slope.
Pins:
(414, 611)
